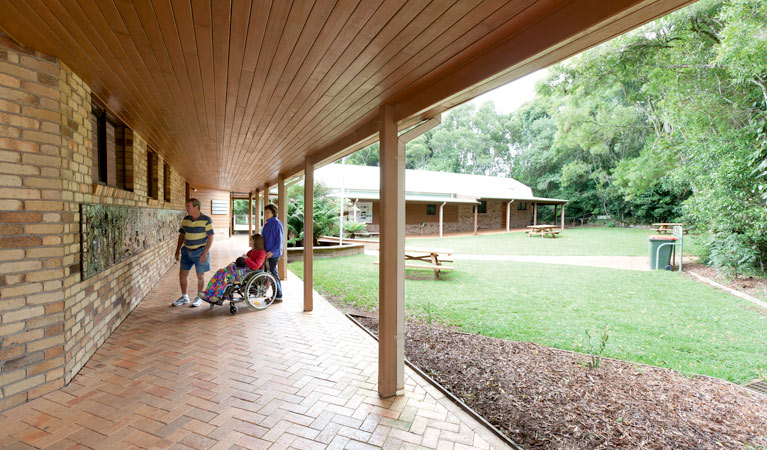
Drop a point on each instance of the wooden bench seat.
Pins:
(423, 266)
(666, 230)
(551, 233)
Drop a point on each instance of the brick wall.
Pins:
(51, 322)
(220, 221)
(31, 226)
(519, 218)
(457, 218)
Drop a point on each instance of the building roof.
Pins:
(362, 182)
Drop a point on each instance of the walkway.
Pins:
(612, 262)
(194, 378)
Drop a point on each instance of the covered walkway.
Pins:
(280, 378)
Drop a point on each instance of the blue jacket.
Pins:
(273, 236)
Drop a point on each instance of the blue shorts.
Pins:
(191, 258)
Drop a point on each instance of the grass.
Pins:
(585, 241)
(659, 318)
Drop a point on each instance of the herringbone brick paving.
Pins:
(194, 378)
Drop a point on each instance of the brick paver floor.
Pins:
(196, 378)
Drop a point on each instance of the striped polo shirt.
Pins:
(196, 232)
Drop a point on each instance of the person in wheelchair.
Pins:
(235, 272)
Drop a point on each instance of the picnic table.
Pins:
(433, 257)
(542, 230)
(664, 227)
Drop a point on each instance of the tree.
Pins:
(325, 213)
(665, 123)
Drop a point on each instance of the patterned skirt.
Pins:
(223, 278)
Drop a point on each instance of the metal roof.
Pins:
(363, 182)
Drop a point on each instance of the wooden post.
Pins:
(441, 207)
(563, 216)
(308, 233)
(282, 212)
(250, 214)
(391, 280)
(535, 213)
(231, 213)
(266, 198)
(259, 207)
(476, 211)
(555, 214)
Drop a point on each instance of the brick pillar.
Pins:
(32, 225)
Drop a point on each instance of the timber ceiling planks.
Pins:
(234, 93)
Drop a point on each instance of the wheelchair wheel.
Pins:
(260, 290)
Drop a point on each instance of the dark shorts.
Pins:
(191, 258)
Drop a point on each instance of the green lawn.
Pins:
(586, 241)
(660, 318)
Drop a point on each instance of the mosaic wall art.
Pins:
(111, 234)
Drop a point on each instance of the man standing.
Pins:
(194, 240)
(273, 236)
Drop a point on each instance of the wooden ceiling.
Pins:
(234, 93)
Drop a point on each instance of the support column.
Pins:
(282, 212)
(563, 216)
(231, 213)
(476, 212)
(391, 280)
(266, 195)
(508, 214)
(535, 213)
(308, 234)
(441, 208)
(555, 215)
(250, 214)
(259, 207)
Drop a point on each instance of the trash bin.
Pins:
(664, 256)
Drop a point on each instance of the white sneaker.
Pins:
(183, 300)
(197, 302)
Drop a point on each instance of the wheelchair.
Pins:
(257, 289)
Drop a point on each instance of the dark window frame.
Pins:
(166, 174)
(521, 206)
(100, 152)
(152, 174)
(431, 209)
(482, 207)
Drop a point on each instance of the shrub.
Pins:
(352, 229)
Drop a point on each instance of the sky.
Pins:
(511, 96)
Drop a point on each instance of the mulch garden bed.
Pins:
(756, 287)
(544, 398)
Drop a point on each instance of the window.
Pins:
(482, 207)
(109, 155)
(521, 206)
(166, 181)
(152, 179)
(98, 139)
(431, 210)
